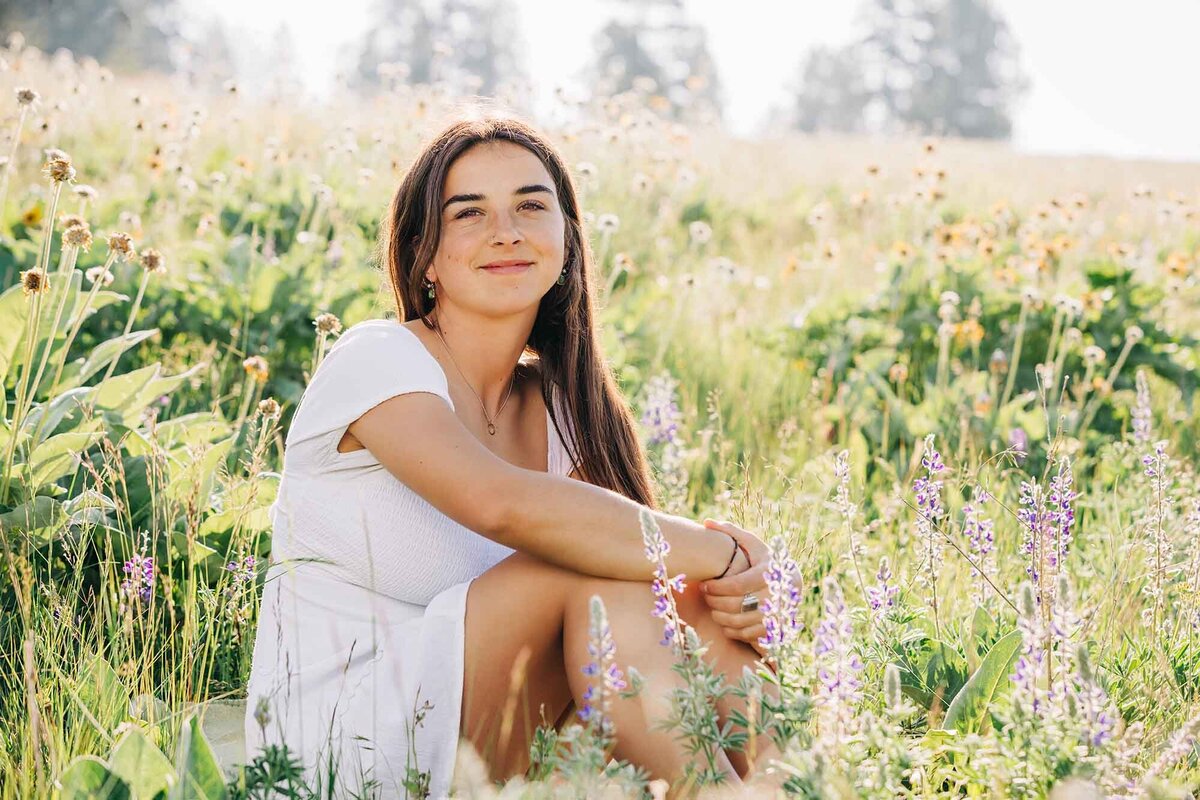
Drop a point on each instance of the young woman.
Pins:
(456, 486)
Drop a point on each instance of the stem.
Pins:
(137, 302)
(24, 390)
(1015, 362)
(12, 153)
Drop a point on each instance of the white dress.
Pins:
(365, 598)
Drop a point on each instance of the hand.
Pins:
(724, 595)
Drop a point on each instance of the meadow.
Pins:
(954, 387)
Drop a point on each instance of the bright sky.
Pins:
(1108, 77)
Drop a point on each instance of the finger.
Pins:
(750, 580)
(737, 619)
(748, 635)
(752, 633)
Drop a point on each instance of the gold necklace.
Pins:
(491, 427)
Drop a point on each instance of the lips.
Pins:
(507, 267)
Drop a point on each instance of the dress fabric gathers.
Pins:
(358, 654)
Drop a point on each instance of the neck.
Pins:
(485, 352)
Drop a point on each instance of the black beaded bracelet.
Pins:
(736, 546)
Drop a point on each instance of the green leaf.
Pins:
(117, 392)
(39, 514)
(101, 692)
(142, 765)
(87, 778)
(108, 350)
(197, 478)
(199, 773)
(55, 412)
(59, 455)
(196, 429)
(984, 633)
(968, 712)
(14, 310)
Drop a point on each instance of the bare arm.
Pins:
(586, 528)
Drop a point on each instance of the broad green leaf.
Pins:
(56, 412)
(117, 392)
(199, 773)
(196, 429)
(102, 693)
(58, 455)
(984, 633)
(105, 352)
(14, 310)
(197, 477)
(142, 765)
(968, 713)
(39, 514)
(158, 386)
(87, 778)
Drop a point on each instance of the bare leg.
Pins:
(636, 635)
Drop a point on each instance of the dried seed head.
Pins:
(78, 236)
(72, 221)
(99, 274)
(122, 245)
(59, 170)
(257, 368)
(34, 281)
(328, 324)
(26, 97)
(85, 191)
(269, 409)
(152, 261)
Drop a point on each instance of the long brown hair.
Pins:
(608, 452)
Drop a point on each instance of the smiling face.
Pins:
(498, 204)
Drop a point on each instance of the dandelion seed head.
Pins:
(327, 324)
(78, 236)
(34, 281)
(121, 244)
(152, 261)
(26, 97)
(269, 408)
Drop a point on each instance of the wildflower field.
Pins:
(953, 387)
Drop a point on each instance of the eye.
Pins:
(537, 206)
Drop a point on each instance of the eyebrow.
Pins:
(472, 198)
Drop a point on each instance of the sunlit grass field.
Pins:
(955, 387)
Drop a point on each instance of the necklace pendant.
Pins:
(491, 429)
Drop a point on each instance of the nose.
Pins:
(506, 229)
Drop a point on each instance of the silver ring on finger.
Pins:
(749, 602)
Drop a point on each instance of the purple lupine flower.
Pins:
(1035, 518)
(980, 533)
(1142, 415)
(781, 607)
(1027, 694)
(656, 549)
(841, 470)
(928, 493)
(139, 581)
(839, 688)
(1061, 512)
(882, 595)
(1160, 554)
(602, 652)
(661, 416)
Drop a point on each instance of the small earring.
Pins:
(562, 276)
(430, 293)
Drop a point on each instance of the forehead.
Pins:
(495, 166)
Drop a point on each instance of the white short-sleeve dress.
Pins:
(362, 614)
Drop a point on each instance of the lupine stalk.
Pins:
(980, 533)
(928, 491)
(1158, 560)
